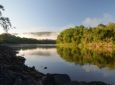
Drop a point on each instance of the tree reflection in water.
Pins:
(101, 58)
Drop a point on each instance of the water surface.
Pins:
(79, 64)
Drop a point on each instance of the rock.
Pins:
(96, 83)
(48, 80)
(45, 67)
(85, 83)
(18, 81)
(56, 79)
(61, 79)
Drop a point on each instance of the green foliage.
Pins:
(11, 39)
(83, 35)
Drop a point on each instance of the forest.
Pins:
(101, 35)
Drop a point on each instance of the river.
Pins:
(82, 65)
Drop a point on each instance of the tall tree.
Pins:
(4, 21)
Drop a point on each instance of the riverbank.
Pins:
(96, 45)
(13, 71)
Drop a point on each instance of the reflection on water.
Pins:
(38, 51)
(79, 64)
(103, 58)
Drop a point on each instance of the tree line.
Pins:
(85, 35)
(11, 39)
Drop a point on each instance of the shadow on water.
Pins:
(101, 58)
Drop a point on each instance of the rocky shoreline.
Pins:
(13, 71)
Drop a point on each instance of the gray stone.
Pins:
(61, 79)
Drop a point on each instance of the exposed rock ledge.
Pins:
(13, 71)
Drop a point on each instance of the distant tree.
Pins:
(4, 21)
(101, 25)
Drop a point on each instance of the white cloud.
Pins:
(92, 22)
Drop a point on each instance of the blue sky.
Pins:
(56, 15)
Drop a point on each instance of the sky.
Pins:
(56, 15)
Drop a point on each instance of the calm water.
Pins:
(79, 64)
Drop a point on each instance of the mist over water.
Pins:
(39, 35)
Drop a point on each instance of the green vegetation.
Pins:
(100, 36)
(83, 45)
(101, 58)
(11, 39)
